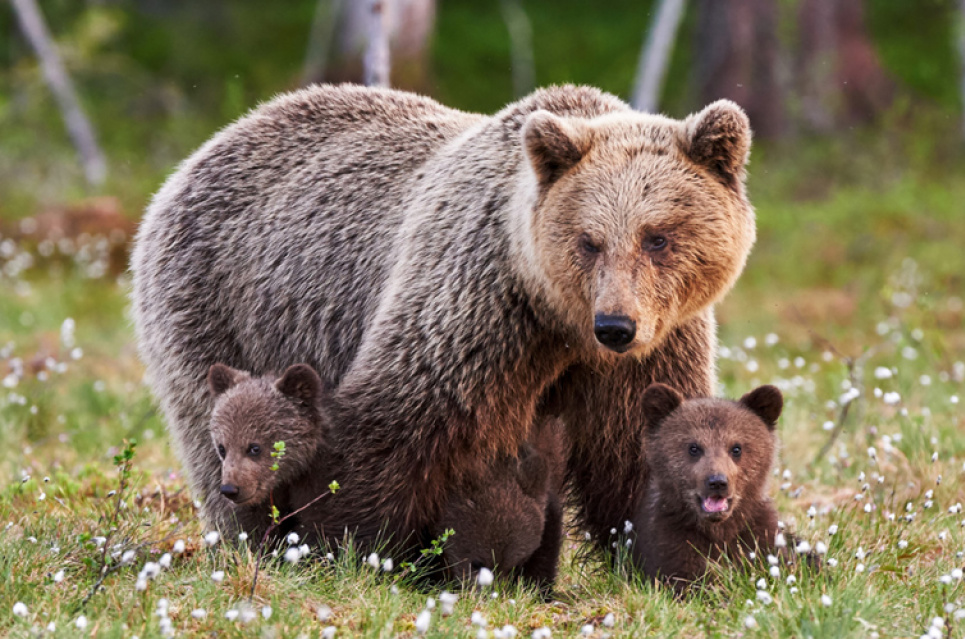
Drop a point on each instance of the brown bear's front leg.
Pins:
(601, 407)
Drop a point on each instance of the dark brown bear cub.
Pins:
(511, 518)
(705, 498)
(250, 415)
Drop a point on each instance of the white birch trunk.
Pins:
(78, 126)
(655, 55)
(376, 61)
(521, 46)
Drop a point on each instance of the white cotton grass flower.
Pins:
(802, 547)
(324, 613)
(422, 622)
(266, 612)
(587, 630)
(242, 536)
(506, 632)
(199, 613)
(59, 576)
(832, 562)
(859, 568)
(328, 632)
(542, 633)
(20, 609)
(765, 597)
(780, 541)
(128, 557)
(81, 622)
(387, 565)
(750, 622)
(231, 615)
(902, 544)
(761, 584)
(292, 555)
(891, 398)
(373, 560)
(609, 620)
(292, 539)
(883, 372)
(217, 576)
(477, 619)
(827, 425)
(772, 560)
(485, 577)
(447, 602)
(305, 550)
(775, 572)
(178, 547)
(826, 601)
(141, 584)
(211, 538)
(165, 560)
(821, 548)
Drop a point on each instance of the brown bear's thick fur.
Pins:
(511, 519)
(457, 276)
(705, 497)
(249, 415)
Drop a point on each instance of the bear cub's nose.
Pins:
(229, 490)
(614, 331)
(717, 483)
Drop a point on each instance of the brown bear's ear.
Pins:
(533, 472)
(221, 378)
(766, 402)
(302, 383)
(719, 138)
(553, 145)
(659, 400)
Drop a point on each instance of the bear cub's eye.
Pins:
(695, 450)
(588, 246)
(736, 451)
(655, 243)
(221, 451)
(254, 450)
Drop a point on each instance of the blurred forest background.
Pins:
(856, 105)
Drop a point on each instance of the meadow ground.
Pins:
(854, 296)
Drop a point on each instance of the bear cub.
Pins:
(511, 518)
(705, 498)
(250, 414)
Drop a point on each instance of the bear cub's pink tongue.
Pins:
(715, 504)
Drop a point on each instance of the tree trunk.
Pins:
(961, 57)
(377, 64)
(739, 57)
(78, 126)
(409, 25)
(655, 56)
(320, 40)
(521, 46)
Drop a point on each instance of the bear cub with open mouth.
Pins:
(709, 461)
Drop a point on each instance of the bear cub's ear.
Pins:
(659, 400)
(553, 145)
(766, 402)
(301, 383)
(719, 138)
(221, 378)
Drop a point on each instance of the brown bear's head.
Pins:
(498, 519)
(710, 455)
(252, 413)
(640, 222)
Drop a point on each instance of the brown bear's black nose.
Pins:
(717, 483)
(230, 491)
(614, 331)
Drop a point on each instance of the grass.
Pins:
(856, 282)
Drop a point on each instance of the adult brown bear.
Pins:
(456, 275)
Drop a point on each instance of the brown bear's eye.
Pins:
(254, 450)
(655, 243)
(695, 450)
(221, 451)
(736, 451)
(588, 246)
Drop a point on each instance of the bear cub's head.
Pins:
(251, 414)
(708, 456)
